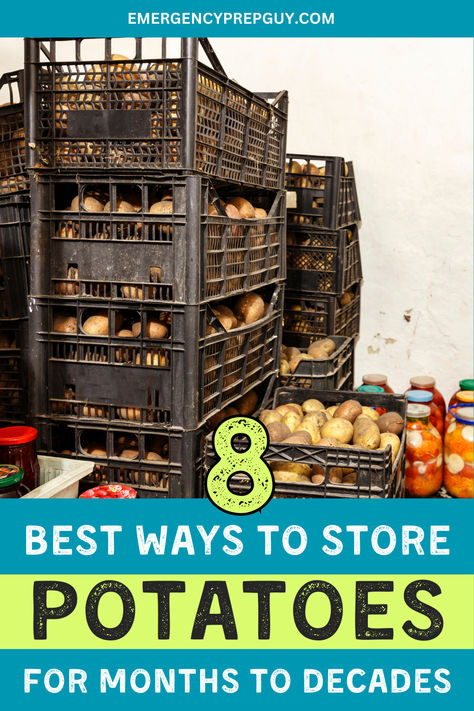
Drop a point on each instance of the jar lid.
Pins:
(423, 381)
(465, 396)
(374, 378)
(17, 435)
(463, 413)
(417, 411)
(466, 384)
(10, 475)
(370, 389)
(419, 396)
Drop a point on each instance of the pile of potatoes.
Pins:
(291, 356)
(245, 310)
(348, 425)
(309, 172)
(97, 324)
(237, 208)
(126, 447)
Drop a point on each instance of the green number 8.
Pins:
(232, 462)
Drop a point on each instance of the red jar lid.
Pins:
(17, 435)
(423, 381)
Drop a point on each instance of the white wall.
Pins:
(401, 109)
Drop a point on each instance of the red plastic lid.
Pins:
(17, 435)
(423, 381)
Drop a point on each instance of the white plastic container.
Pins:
(60, 477)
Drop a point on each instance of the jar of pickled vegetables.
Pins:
(425, 397)
(377, 379)
(463, 397)
(458, 451)
(466, 384)
(426, 382)
(424, 447)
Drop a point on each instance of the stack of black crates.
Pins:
(14, 250)
(130, 161)
(324, 270)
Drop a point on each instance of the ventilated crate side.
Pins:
(13, 379)
(183, 254)
(323, 261)
(180, 379)
(319, 315)
(13, 177)
(159, 113)
(323, 189)
(14, 254)
(157, 463)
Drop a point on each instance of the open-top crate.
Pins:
(91, 108)
(333, 373)
(375, 474)
(13, 177)
(323, 190)
(316, 315)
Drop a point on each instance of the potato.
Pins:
(335, 475)
(292, 353)
(226, 321)
(299, 437)
(317, 354)
(311, 428)
(164, 207)
(97, 325)
(122, 206)
(349, 410)
(269, 416)
(247, 404)
(245, 208)
(292, 420)
(64, 323)
(331, 410)
(90, 204)
(283, 409)
(153, 457)
(260, 214)
(390, 422)
(128, 454)
(125, 333)
(226, 311)
(249, 308)
(366, 433)
(130, 413)
(296, 407)
(325, 344)
(338, 428)
(328, 442)
(294, 362)
(350, 477)
(387, 438)
(290, 471)
(95, 450)
(318, 474)
(155, 329)
(277, 431)
(212, 209)
(232, 212)
(284, 367)
(312, 405)
(318, 419)
(370, 412)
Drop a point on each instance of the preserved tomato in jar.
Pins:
(11, 485)
(424, 447)
(463, 397)
(18, 447)
(458, 452)
(426, 382)
(377, 379)
(425, 397)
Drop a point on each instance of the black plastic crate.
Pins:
(160, 113)
(376, 475)
(13, 380)
(333, 373)
(178, 380)
(323, 261)
(184, 255)
(14, 254)
(317, 315)
(124, 456)
(323, 193)
(13, 176)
